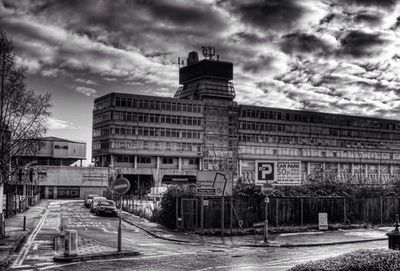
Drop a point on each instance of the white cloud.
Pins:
(90, 92)
(57, 124)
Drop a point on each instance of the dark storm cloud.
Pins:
(303, 43)
(369, 3)
(361, 44)
(370, 18)
(269, 14)
(259, 64)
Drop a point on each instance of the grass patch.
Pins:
(360, 260)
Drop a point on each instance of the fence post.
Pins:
(176, 213)
(381, 210)
(231, 214)
(277, 212)
(302, 211)
(344, 211)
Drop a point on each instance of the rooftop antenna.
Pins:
(208, 52)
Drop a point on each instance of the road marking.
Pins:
(27, 246)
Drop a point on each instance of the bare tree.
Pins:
(23, 113)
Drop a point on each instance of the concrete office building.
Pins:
(159, 140)
(55, 171)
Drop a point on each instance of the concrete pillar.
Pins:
(338, 168)
(158, 162)
(352, 168)
(135, 161)
(366, 170)
(391, 169)
(1, 194)
(112, 160)
(179, 163)
(201, 163)
(54, 192)
(308, 168)
(240, 168)
(46, 192)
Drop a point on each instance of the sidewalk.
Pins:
(311, 238)
(15, 233)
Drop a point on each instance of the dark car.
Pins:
(88, 199)
(94, 202)
(106, 207)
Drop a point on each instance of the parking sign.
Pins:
(265, 172)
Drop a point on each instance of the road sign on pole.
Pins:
(120, 186)
(267, 189)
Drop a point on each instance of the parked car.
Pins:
(94, 202)
(88, 199)
(106, 207)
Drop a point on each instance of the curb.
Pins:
(5, 263)
(158, 236)
(286, 245)
(107, 255)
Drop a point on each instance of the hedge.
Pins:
(360, 260)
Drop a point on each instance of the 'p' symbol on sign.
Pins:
(265, 171)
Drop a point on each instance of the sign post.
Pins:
(275, 173)
(120, 186)
(266, 189)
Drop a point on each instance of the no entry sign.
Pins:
(121, 186)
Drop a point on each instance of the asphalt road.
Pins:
(157, 254)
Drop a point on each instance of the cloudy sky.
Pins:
(337, 56)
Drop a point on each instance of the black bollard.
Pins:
(24, 223)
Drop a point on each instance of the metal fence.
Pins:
(285, 211)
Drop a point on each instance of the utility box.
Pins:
(394, 236)
(71, 243)
(63, 225)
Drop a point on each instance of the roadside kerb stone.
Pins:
(106, 255)
(156, 235)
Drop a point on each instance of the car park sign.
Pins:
(278, 173)
(121, 186)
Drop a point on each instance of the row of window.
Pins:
(148, 160)
(147, 131)
(155, 118)
(318, 153)
(304, 129)
(325, 119)
(317, 141)
(177, 105)
(145, 145)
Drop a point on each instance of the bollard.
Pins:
(63, 225)
(2, 225)
(394, 236)
(24, 223)
(71, 243)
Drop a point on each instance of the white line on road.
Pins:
(25, 249)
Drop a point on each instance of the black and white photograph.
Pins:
(200, 135)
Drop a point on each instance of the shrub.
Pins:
(166, 215)
(360, 260)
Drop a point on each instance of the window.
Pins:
(167, 160)
(193, 161)
(144, 160)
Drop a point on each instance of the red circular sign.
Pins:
(121, 186)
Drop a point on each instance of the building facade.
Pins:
(54, 170)
(158, 140)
